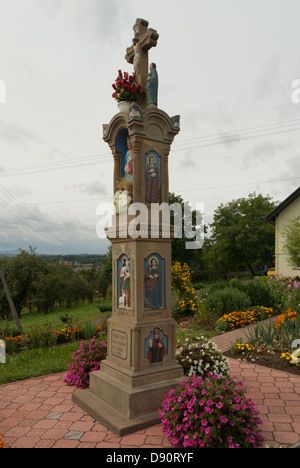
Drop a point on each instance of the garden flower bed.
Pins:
(240, 319)
(187, 302)
(273, 359)
(46, 336)
(272, 345)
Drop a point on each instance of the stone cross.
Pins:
(141, 366)
(144, 39)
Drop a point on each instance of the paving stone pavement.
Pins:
(39, 412)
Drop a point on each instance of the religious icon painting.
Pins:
(156, 346)
(124, 147)
(154, 275)
(153, 177)
(124, 283)
(128, 161)
(135, 113)
(176, 124)
(104, 129)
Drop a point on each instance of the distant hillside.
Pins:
(81, 259)
(9, 253)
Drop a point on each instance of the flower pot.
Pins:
(124, 106)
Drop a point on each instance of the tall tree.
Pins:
(10, 301)
(240, 235)
(188, 222)
(104, 278)
(21, 274)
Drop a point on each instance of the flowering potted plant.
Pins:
(122, 200)
(123, 196)
(86, 360)
(202, 357)
(210, 413)
(126, 89)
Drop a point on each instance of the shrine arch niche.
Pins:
(121, 149)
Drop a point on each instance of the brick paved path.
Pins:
(40, 413)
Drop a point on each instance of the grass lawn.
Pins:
(80, 315)
(44, 361)
(36, 362)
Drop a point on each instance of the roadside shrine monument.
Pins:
(140, 367)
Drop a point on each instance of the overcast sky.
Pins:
(226, 67)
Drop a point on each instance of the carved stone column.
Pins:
(141, 366)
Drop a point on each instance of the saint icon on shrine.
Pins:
(154, 283)
(128, 168)
(124, 301)
(156, 346)
(153, 179)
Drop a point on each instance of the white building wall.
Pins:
(283, 267)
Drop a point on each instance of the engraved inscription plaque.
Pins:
(119, 344)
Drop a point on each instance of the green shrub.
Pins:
(257, 291)
(37, 337)
(237, 284)
(10, 331)
(89, 330)
(198, 285)
(67, 318)
(226, 300)
(104, 307)
(219, 284)
(259, 294)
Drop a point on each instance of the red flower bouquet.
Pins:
(125, 88)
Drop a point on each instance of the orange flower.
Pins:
(1, 442)
(288, 315)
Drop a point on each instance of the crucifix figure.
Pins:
(144, 39)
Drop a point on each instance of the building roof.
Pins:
(271, 217)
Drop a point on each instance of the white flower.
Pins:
(121, 201)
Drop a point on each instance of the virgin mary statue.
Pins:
(129, 161)
(152, 86)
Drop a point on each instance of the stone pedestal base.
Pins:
(119, 404)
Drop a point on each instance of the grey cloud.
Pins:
(188, 160)
(15, 135)
(92, 188)
(264, 152)
(99, 18)
(269, 80)
(229, 139)
(293, 169)
(21, 191)
(266, 149)
(20, 228)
